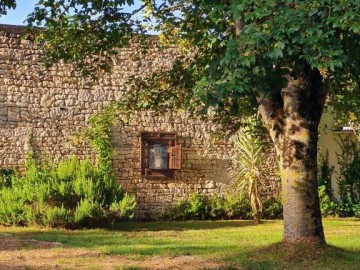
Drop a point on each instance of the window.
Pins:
(160, 155)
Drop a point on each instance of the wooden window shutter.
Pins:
(175, 157)
(143, 158)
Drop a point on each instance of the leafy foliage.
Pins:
(272, 208)
(332, 207)
(5, 177)
(348, 206)
(5, 5)
(72, 194)
(91, 31)
(125, 208)
(349, 175)
(325, 174)
(328, 205)
(202, 207)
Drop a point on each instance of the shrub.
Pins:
(5, 177)
(198, 207)
(344, 210)
(88, 213)
(55, 217)
(349, 176)
(125, 208)
(217, 207)
(12, 211)
(328, 206)
(201, 207)
(272, 209)
(237, 207)
(336, 209)
(179, 212)
(72, 194)
(356, 209)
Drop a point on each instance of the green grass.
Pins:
(237, 244)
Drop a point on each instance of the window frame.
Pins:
(173, 162)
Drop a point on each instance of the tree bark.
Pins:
(292, 122)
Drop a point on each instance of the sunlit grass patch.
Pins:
(232, 244)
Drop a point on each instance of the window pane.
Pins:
(158, 156)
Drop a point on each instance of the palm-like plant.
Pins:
(247, 172)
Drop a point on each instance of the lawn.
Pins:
(179, 245)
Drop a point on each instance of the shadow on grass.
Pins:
(297, 256)
(274, 256)
(11, 267)
(248, 247)
(151, 238)
(181, 225)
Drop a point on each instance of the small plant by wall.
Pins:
(202, 207)
(349, 175)
(5, 177)
(348, 181)
(325, 173)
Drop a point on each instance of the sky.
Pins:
(24, 7)
(18, 16)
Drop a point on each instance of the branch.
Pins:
(239, 27)
(266, 108)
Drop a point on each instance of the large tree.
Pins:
(281, 58)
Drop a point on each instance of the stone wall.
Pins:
(54, 104)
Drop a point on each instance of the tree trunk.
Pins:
(293, 122)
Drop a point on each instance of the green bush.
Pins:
(198, 207)
(179, 212)
(54, 217)
(12, 210)
(331, 207)
(272, 209)
(124, 209)
(356, 209)
(217, 207)
(328, 206)
(72, 194)
(88, 212)
(349, 175)
(202, 207)
(237, 207)
(5, 177)
(194, 208)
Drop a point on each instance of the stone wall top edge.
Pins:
(13, 29)
(17, 31)
(21, 29)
